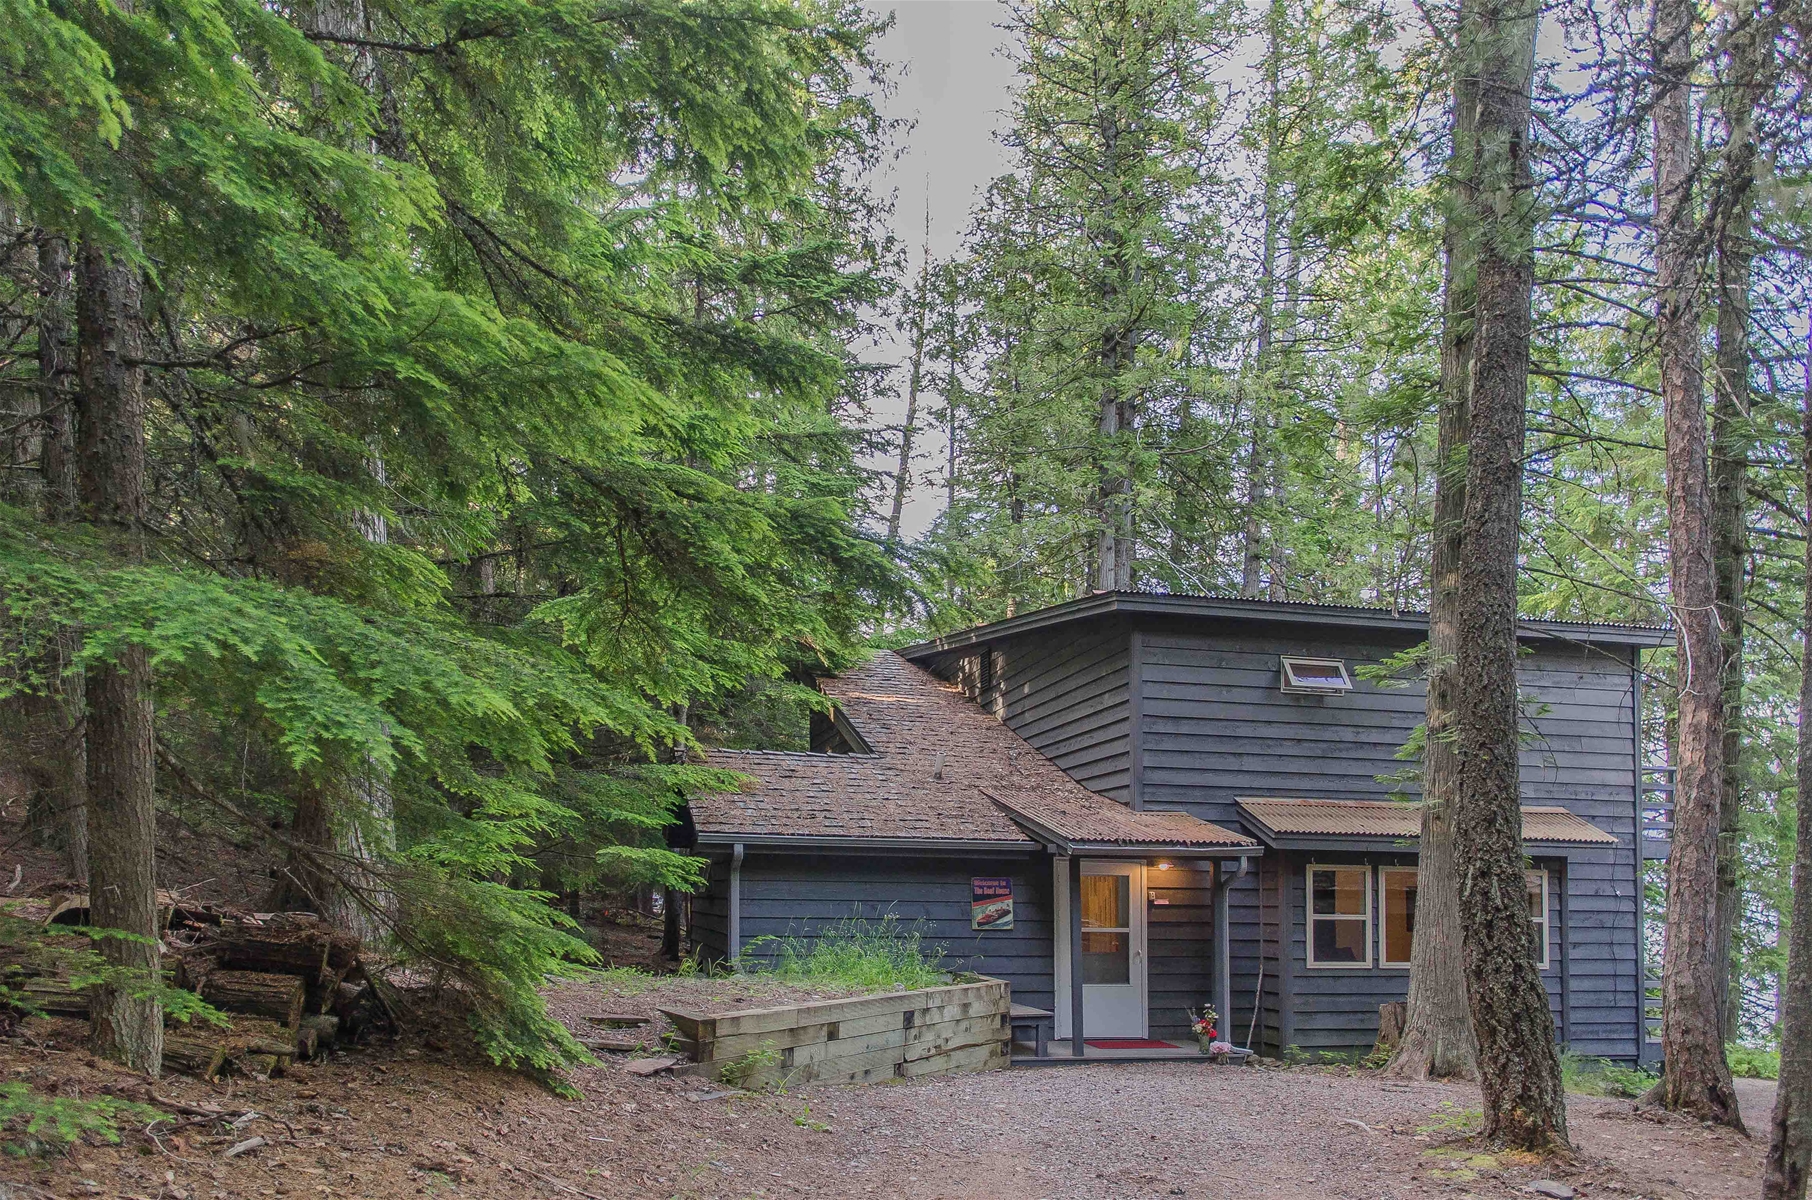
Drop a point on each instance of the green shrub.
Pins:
(1754, 1062)
(881, 955)
(1590, 1076)
(33, 1123)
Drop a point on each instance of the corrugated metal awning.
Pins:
(1091, 822)
(1281, 820)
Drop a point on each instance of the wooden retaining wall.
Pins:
(932, 1031)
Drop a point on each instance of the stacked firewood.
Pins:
(291, 985)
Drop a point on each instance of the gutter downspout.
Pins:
(1077, 1035)
(1223, 949)
(736, 907)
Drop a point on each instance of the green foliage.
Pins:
(746, 1068)
(498, 412)
(66, 953)
(1754, 1062)
(32, 1123)
(887, 954)
(1600, 1077)
(1450, 1120)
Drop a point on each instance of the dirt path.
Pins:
(396, 1122)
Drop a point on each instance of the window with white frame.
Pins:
(1315, 676)
(1397, 916)
(1340, 916)
(1538, 916)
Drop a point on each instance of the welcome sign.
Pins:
(991, 903)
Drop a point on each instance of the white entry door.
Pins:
(1113, 950)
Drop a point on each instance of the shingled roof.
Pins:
(942, 770)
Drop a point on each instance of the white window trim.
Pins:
(1285, 661)
(1308, 915)
(1547, 932)
(1384, 917)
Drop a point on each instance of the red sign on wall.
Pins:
(991, 903)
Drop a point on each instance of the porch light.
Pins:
(1163, 866)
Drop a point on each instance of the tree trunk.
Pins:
(1519, 1071)
(1751, 52)
(1789, 1160)
(1438, 1041)
(55, 758)
(902, 476)
(335, 877)
(127, 1019)
(1695, 1077)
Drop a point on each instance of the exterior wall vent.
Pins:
(1315, 676)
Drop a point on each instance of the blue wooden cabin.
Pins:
(1210, 778)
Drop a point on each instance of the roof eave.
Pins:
(1148, 604)
(857, 844)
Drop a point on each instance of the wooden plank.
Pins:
(824, 1011)
(966, 1059)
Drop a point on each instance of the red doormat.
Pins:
(1129, 1044)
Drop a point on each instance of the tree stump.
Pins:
(1392, 1016)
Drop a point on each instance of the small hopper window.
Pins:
(1316, 676)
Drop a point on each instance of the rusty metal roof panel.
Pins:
(1091, 820)
(1289, 818)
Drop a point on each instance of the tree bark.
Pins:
(126, 1017)
(1519, 1071)
(1438, 1041)
(1750, 48)
(902, 475)
(62, 759)
(1695, 1076)
(1789, 1161)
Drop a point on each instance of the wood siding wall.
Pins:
(1179, 946)
(1067, 695)
(798, 895)
(1216, 726)
(1335, 1009)
(1213, 725)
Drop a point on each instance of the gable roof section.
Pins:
(1281, 612)
(942, 771)
(1280, 821)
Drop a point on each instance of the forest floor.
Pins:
(426, 1116)
(393, 1120)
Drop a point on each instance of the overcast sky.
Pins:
(953, 81)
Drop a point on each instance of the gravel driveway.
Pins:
(1159, 1129)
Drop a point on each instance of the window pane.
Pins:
(1538, 920)
(1339, 940)
(1314, 674)
(1106, 902)
(1399, 915)
(1106, 957)
(1339, 890)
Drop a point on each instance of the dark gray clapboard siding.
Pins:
(1214, 726)
(1066, 694)
(1179, 946)
(1336, 1008)
(798, 896)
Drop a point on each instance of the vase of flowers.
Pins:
(1203, 1024)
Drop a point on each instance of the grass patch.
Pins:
(1754, 1062)
(1590, 1076)
(880, 955)
(1450, 1120)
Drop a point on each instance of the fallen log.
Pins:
(278, 997)
(196, 1056)
(286, 944)
(54, 996)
